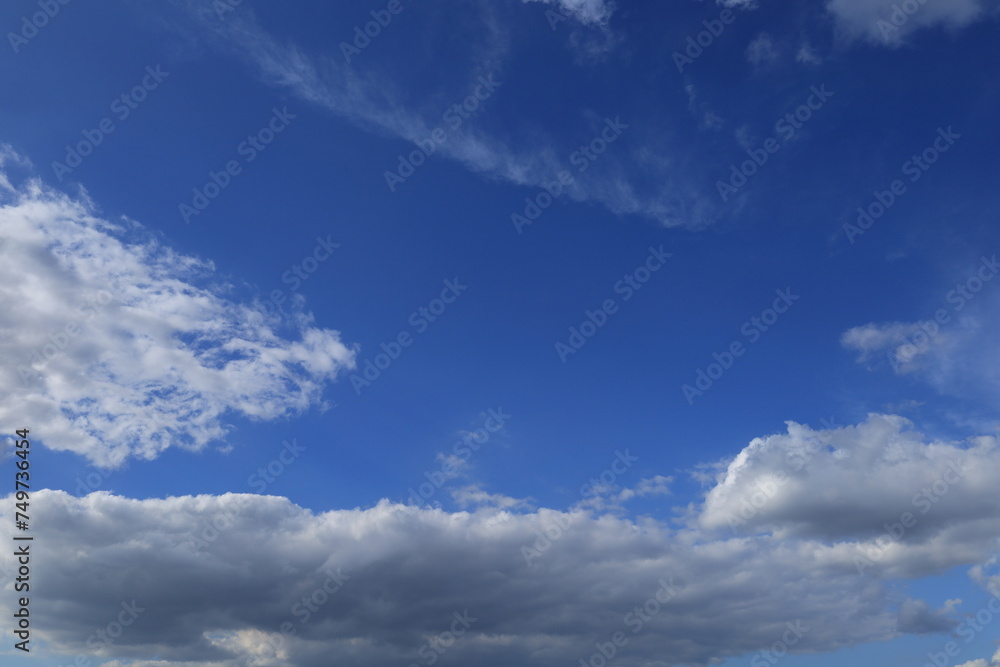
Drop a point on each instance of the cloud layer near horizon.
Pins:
(888, 22)
(543, 585)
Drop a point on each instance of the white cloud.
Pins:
(119, 349)
(885, 21)
(595, 12)
(657, 485)
(956, 350)
(807, 54)
(474, 496)
(761, 51)
(844, 484)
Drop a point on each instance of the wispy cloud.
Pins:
(383, 104)
(123, 348)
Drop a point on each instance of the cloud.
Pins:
(658, 485)
(707, 119)
(122, 349)
(902, 343)
(596, 12)
(761, 51)
(886, 22)
(374, 586)
(992, 662)
(807, 54)
(612, 497)
(474, 496)
(626, 180)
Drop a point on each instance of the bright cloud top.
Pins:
(116, 348)
(618, 179)
(847, 483)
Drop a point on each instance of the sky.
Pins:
(500, 332)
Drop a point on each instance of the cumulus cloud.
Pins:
(762, 51)
(625, 182)
(376, 586)
(886, 21)
(117, 345)
(844, 484)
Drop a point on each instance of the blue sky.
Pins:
(508, 308)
